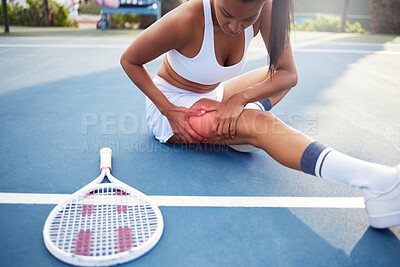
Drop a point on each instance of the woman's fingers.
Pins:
(219, 128)
(224, 126)
(226, 129)
(187, 135)
(179, 138)
(195, 112)
(223, 129)
(181, 127)
(232, 128)
(193, 134)
(209, 109)
(184, 140)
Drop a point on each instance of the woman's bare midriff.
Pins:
(168, 74)
(236, 44)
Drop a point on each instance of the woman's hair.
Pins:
(281, 16)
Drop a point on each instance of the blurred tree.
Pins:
(385, 16)
(344, 15)
(6, 20)
(46, 13)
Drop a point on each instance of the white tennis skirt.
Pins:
(158, 123)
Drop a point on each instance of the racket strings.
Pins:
(103, 222)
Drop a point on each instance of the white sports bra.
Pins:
(204, 67)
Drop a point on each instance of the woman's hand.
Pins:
(178, 118)
(228, 115)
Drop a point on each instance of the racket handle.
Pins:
(105, 158)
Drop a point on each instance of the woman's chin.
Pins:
(228, 32)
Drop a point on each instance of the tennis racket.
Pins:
(103, 224)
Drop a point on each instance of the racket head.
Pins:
(103, 224)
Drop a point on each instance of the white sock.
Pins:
(254, 105)
(264, 104)
(344, 169)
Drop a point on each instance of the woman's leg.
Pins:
(258, 128)
(297, 151)
(241, 82)
(244, 81)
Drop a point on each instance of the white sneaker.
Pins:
(383, 208)
(245, 148)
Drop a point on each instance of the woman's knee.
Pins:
(253, 122)
(204, 125)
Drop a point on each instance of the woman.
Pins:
(205, 42)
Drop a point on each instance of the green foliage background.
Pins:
(33, 15)
(329, 23)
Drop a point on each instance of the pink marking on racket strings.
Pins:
(122, 209)
(82, 244)
(124, 239)
(121, 200)
(88, 204)
(109, 169)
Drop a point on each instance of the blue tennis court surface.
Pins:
(62, 99)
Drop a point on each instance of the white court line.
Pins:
(65, 45)
(333, 51)
(325, 40)
(298, 50)
(60, 38)
(208, 201)
(359, 44)
(346, 51)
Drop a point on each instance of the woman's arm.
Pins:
(285, 76)
(172, 31)
(274, 87)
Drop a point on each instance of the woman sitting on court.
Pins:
(206, 42)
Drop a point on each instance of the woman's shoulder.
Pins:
(184, 18)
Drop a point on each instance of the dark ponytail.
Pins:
(281, 16)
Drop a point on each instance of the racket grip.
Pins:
(105, 158)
